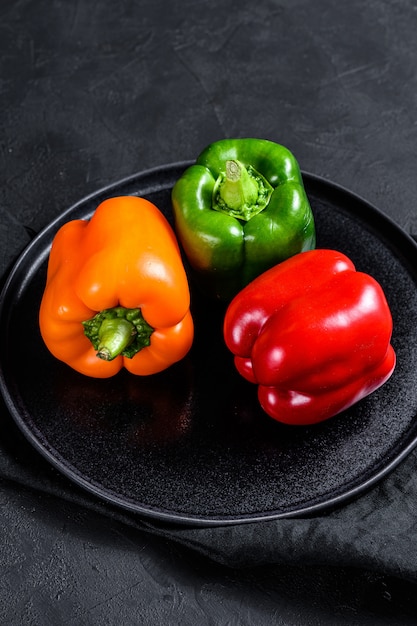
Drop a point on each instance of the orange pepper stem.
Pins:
(118, 331)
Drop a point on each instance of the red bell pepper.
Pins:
(314, 334)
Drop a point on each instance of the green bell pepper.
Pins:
(240, 209)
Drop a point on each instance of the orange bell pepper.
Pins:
(116, 293)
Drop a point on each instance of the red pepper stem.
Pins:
(118, 331)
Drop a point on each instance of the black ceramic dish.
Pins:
(191, 445)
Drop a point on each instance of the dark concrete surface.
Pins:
(96, 91)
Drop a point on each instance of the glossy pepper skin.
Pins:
(117, 293)
(240, 209)
(314, 334)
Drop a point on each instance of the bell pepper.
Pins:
(314, 335)
(240, 209)
(116, 292)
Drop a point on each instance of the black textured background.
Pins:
(93, 92)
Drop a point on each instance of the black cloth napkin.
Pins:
(376, 532)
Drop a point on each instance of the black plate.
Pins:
(191, 445)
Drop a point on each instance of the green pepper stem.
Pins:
(118, 331)
(241, 191)
(238, 188)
